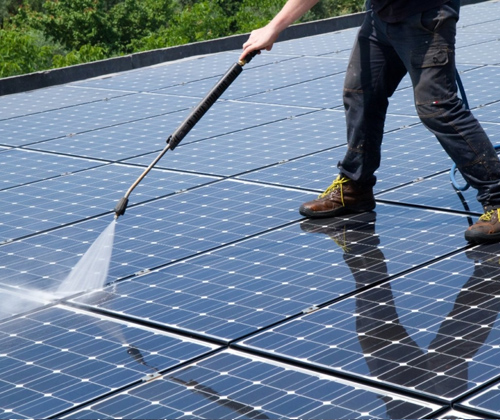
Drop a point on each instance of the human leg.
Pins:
(426, 44)
(373, 73)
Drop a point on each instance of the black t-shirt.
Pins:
(396, 10)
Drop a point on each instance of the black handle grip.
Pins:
(204, 105)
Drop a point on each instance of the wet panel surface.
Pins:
(232, 385)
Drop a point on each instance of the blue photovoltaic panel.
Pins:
(436, 192)
(408, 155)
(467, 37)
(318, 45)
(19, 167)
(118, 142)
(313, 172)
(231, 385)
(40, 127)
(212, 246)
(487, 54)
(473, 18)
(152, 235)
(149, 135)
(456, 414)
(489, 113)
(487, 401)
(267, 78)
(16, 302)
(56, 97)
(175, 73)
(322, 93)
(252, 284)
(257, 147)
(481, 85)
(44, 205)
(58, 358)
(432, 332)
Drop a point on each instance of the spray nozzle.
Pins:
(121, 206)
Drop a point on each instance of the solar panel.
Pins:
(267, 78)
(331, 43)
(20, 167)
(57, 97)
(253, 284)
(58, 358)
(408, 155)
(257, 147)
(67, 122)
(158, 233)
(78, 196)
(431, 332)
(322, 93)
(486, 402)
(177, 72)
(233, 385)
(221, 300)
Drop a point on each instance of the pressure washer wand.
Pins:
(176, 137)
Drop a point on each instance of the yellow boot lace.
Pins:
(486, 217)
(337, 184)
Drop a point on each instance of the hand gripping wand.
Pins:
(196, 114)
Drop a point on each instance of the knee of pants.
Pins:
(434, 114)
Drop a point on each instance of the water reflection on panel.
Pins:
(431, 332)
(230, 385)
(57, 358)
(236, 290)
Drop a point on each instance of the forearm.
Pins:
(291, 11)
(264, 38)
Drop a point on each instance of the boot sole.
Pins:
(481, 238)
(304, 211)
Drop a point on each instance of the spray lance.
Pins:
(175, 138)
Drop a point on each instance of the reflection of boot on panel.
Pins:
(355, 235)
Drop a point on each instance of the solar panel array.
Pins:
(221, 301)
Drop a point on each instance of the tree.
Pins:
(202, 20)
(22, 53)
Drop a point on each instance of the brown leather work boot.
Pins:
(342, 197)
(486, 229)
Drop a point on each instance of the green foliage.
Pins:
(132, 20)
(197, 22)
(22, 53)
(110, 25)
(253, 14)
(40, 34)
(85, 54)
(330, 8)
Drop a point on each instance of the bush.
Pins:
(40, 34)
(21, 52)
(201, 21)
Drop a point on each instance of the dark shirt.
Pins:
(397, 10)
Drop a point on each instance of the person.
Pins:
(399, 37)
